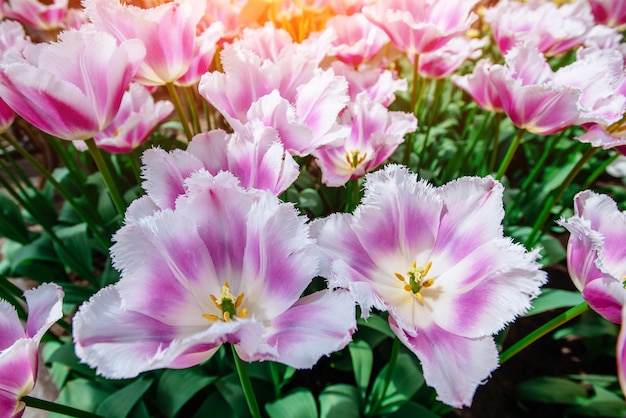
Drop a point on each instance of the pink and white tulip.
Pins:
(596, 256)
(357, 39)
(375, 133)
(553, 30)
(447, 59)
(292, 94)
(596, 261)
(226, 265)
(37, 14)
(609, 12)
(48, 88)
(418, 26)
(544, 102)
(19, 345)
(436, 260)
(138, 115)
(480, 87)
(254, 155)
(380, 85)
(168, 32)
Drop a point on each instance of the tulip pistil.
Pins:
(416, 280)
(228, 304)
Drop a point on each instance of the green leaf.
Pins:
(77, 254)
(121, 403)
(215, 406)
(412, 409)
(377, 323)
(553, 299)
(37, 261)
(594, 327)
(552, 250)
(230, 388)
(406, 380)
(83, 394)
(548, 389)
(66, 356)
(340, 401)
(299, 403)
(362, 362)
(176, 387)
(615, 409)
(12, 224)
(310, 199)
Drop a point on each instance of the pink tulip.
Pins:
(418, 26)
(375, 133)
(37, 14)
(609, 12)
(553, 30)
(596, 261)
(253, 154)
(544, 102)
(168, 32)
(225, 265)
(436, 260)
(19, 346)
(447, 59)
(480, 87)
(72, 88)
(139, 114)
(357, 39)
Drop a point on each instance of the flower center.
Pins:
(354, 158)
(417, 280)
(228, 304)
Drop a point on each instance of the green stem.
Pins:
(555, 197)
(543, 330)
(246, 385)
(191, 105)
(179, 109)
(395, 349)
(496, 142)
(85, 216)
(510, 153)
(409, 143)
(599, 170)
(354, 195)
(114, 192)
(275, 379)
(58, 408)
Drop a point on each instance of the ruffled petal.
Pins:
(315, 326)
(455, 366)
(11, 328)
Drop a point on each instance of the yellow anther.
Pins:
(214, 299)
(416, 279)
(427, 269)
(428, 283)
(239, 300)
(210, 317)
(419, 297)
(227, 304)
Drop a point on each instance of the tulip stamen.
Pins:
(417, 280)
(228, 304)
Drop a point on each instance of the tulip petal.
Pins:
(455, 366)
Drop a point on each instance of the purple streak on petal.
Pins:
(471, 216)
(44, 308)
(455, 366)
(317, 325)
(11, 328)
